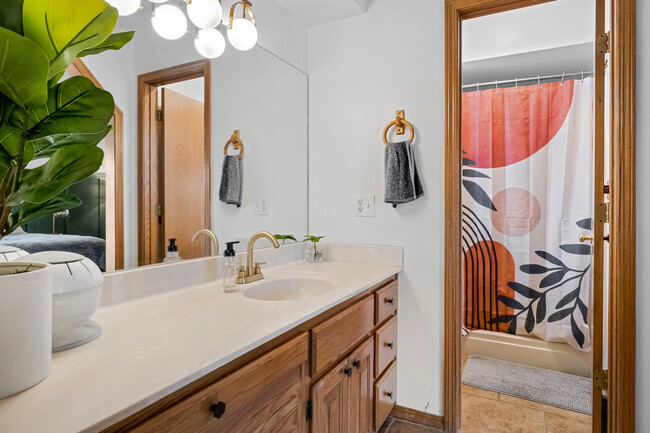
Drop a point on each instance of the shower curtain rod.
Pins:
(537, 78)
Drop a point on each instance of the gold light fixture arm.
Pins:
(246, 7)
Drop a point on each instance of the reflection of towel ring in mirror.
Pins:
(236, 143)
(402, 123)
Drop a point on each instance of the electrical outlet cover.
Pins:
(364, 206)
(261, 207)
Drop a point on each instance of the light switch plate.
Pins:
(364, 206)
(261, 207)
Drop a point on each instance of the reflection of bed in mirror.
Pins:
(88, 246)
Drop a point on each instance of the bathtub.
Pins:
(528, 351)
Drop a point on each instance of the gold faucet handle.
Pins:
(258, 267)
(241, 271)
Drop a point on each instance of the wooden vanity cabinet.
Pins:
(343, 398)
(335, 373)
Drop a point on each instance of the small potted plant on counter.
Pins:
(285, 238)
(60, 124)
(313, 252)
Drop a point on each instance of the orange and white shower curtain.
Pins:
(527, 196)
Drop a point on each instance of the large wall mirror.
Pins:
(172, 163)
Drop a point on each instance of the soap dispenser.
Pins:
(229, 267)
(172, 252)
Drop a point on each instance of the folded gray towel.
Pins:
(231, 180)
(402, 182)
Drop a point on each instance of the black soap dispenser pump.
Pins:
(229, 267)
(172, 252)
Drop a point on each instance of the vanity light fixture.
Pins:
(205, 14)
(169, 22)
(242, 32)
(125, 7)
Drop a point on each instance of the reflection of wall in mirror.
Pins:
(263, 95)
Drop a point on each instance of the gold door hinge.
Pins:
(602, 214)
(159, 115)
(601, 379)
(158, 210)
(602, 43)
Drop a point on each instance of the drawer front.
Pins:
(333, 339)
(385, 345)
(385, 302)
(385, 394)
(264, 394)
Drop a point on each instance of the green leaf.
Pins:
(46, 146)
(65, 28)
(74, 106)
(113, 42)
(10, 127)
(11, 15)
(67, 166)
(23, 69)
(28, 212)
(285, 237)
(314, 239)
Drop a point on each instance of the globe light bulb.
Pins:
(169, 22)
(157, 1)
(242, 34)
(210, 43)
(125, 7)
(205, 14)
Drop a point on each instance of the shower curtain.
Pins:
(527, 180)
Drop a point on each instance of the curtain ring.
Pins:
(539, 82)
(562, 82)
(582, 79)
(516, 83)
(478, 89)
(496, 84)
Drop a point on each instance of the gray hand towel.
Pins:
(401, 174)
(231, 180)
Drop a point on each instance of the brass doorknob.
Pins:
(586, 238)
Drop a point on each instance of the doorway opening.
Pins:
(173, 160)
(513, 224)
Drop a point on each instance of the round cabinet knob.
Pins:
(586, 238)
(348, 372)
(390, 301)
(389, 394)
(389, 345)
(218, 409)
(357, 364)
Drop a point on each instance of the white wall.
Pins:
(361, 70)
(550, 25)
(643, 210)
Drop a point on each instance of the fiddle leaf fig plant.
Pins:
(57, 124)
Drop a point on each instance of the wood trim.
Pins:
(148, 238)
(622, 283)
(114, 161)
(453, 263)
(417, 417)
(621, 403)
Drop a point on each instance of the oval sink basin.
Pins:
(290, 289)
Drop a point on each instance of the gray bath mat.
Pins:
(553, 388)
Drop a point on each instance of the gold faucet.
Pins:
(254, 273)
(213, 239)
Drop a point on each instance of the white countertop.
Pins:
(153, 346)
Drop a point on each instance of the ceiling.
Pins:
(316, 12)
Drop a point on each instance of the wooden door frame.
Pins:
(622, 290)
(148, 181)
(114, 160)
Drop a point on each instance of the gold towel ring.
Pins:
(399, 123)
(236, 143)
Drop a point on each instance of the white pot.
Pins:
(25, 325)
(9, 254)
(76, 291)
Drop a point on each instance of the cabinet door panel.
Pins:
(329, 399)
(361, 387)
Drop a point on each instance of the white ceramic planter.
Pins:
(25, 325)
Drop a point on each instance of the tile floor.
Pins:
(489, 412)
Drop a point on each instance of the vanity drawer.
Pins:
(385, 394)
(385, 302)
(260, 396)
(385, 345)
(331, 340)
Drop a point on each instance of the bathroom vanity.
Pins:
(271, 357)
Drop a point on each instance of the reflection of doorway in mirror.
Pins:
(174, 163)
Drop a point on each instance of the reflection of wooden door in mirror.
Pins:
(183, 172)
